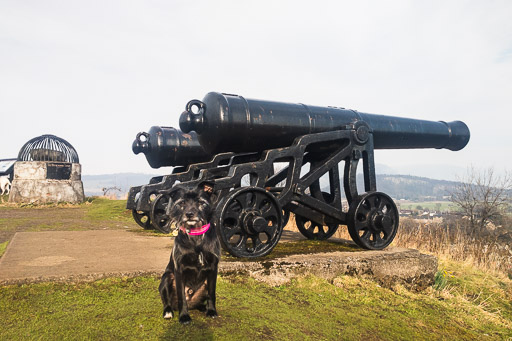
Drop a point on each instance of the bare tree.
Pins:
(110, 189)
(482, 196)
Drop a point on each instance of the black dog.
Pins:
(190, 278)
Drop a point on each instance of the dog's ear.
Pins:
(207, 188)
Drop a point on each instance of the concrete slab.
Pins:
(388, 267)
(81, 255)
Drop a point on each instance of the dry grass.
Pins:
(487, 250)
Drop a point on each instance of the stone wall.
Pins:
(31, 184)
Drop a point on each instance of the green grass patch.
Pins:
(491, 291)
(308, 308)
(441, 279)
(14, 222)
(284, 249)
(3, 247)
(106, 209)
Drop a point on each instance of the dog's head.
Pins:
(190, 208)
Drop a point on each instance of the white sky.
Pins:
(98, 72)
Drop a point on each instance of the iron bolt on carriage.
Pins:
(267, 159)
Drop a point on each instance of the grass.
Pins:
(464, 303)
(102, 209)
(491, 291)
(484, 250)
(298, 247)
(471, 305)
(3, 247)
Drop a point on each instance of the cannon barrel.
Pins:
(233, 123)
(167, 146)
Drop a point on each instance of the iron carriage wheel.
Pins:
(142, 218)
(314, 230)
(286, 217)
(249, 222)
(373, 220)
(158, 216)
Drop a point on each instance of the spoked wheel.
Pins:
(249, 222)
(313, 230)
(286, 217)
(373, 220)
(142, 218)
(158, 217)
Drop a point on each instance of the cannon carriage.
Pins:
(266, 159)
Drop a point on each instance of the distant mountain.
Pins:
(431, 171)
(406, 187)
(93, 184)
(413, 188)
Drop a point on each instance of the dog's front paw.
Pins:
(185, 319)
(168, 314)
(212, 313)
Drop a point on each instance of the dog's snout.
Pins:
(189, 215)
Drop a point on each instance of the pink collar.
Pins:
(197, 231)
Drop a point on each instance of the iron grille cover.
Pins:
(48, 148)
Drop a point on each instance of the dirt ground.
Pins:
(73, 218)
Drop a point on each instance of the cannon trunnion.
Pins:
(268, 159)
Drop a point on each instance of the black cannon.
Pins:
(162, 146)
(232, 123)
(269, 159)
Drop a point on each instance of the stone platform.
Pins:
(388, 267)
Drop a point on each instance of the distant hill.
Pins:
(407, 187)
(413, 187)
(93, 184)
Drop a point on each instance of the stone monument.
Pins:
(47, 170)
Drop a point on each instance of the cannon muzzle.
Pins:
(167, 146)
(233, 123)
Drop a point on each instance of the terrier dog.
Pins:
(5, 184)
(190, 278)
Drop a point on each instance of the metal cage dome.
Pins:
(48, 148)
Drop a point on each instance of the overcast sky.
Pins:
(98, 72)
